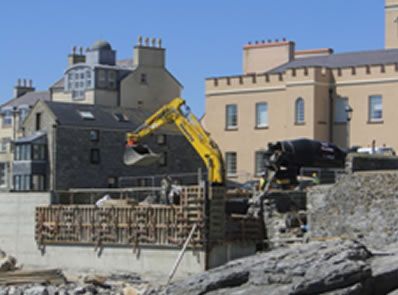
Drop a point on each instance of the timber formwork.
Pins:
(147, 225)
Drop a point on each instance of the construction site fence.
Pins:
(146, 225)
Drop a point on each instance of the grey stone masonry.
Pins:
(362, 204)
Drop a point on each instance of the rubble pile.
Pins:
(14, 281)
(329, 267)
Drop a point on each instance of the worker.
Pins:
(165, 187)
(315, 179)
(263, 181)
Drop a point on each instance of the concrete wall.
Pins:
(17, 229)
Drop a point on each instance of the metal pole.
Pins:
(182, 252)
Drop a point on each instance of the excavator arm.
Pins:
(189, 126)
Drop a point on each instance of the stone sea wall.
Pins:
(361, 204)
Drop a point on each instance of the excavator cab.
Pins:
(139, 154)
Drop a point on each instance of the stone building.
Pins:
(97, 77)
(13, 113)
(81, 146)
(286, 93)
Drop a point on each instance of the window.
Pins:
(38, 121)
(4, 144)
(94, 135)
(161, 139)
(375, 108)
(163, 159)
(101, 78)
(230, 161)
(340, 112)
(38, 183)
(299, 111)
(22, 152)
(3, 174)
(7, 119)
(39, 152)
(232, 116)
(22, 182)
(94, 156)
(261, 115)
(144, 79)
(22, 115)
(121, 117)
(112, 79)
(86, 115)
(112, 182)
(259, 163)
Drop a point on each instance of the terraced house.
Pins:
(345, 98)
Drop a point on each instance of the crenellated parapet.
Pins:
(257, 82)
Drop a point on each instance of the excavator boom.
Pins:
(189, 126)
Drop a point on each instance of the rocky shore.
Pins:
(333, 267)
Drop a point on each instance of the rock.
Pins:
(94, 279)
(37, 290)
(313, 268)
(7, 263)
(15, 291)
(129, 291)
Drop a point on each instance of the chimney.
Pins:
(148, 54)
(20, 90)
(75, 58)
(264, 56)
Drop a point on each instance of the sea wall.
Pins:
(361, 204)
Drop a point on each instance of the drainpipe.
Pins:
(331, 114)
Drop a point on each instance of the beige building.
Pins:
(13, 114)
(286, 94)
(97, 77)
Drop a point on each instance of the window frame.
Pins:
(258, 163)
(95, 156)
(372, 110)
(299, 111)
(258, 115)
(231, 117)
(231, 168)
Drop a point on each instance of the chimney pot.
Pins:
(269, 41)
(276, 40)
(146, 41)
(284, 39)
(73, 49)
(30, 83)
(153, 40)
(160, 43)
(24, 82)
(80, 50)
(249, 43)
(262, 41)
(19, 82)
(139, 40)
(256, 42)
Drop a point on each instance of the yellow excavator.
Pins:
(176, 112)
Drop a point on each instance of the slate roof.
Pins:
(29, 98)
(68, 114)
(34, 136)
(343, 60)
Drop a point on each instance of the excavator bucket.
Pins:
(139, 155)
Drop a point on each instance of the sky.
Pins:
(203, 39)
